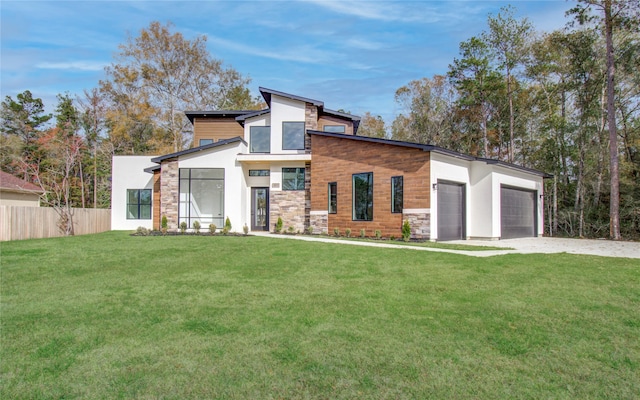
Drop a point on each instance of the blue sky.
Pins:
(352, 55)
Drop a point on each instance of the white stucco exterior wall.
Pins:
(235, 193)
(453, 170)
(514, 178)
(284, 110)
(483, 197)
(127, 172)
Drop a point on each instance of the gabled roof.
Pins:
(266, 93)
(12, 183)
(242, 118)
(196, 150)
(430, 148)
(219, 113)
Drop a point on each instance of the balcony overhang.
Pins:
(263, 158)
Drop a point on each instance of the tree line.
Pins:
(565, 102)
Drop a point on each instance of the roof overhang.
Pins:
(198, 149)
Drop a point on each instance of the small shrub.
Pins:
(406, 230)
(225, 231)
(363, 233)
(310, 230)
(142, 231)
(227, 224)
(164, 231)
(378, 234)
(245, 229)
(347, 232)
(183, 227)
(164, 224)
(196, 226)
(279, 225)
(212, 228)
(336, 231)
(392, 237)
(290, 229)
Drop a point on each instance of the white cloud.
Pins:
(303, 54)
(73, 65)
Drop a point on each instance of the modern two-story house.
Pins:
(306, 164)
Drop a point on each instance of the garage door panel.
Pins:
(451, 218)
(517, 213)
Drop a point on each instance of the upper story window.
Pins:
(334, 128)
(293, 136)
(396, 194)
(292, 178)
(205, 141)
(260, 139)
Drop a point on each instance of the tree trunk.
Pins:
(511, 122)
(614, 206)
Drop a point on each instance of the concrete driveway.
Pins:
(606, 248)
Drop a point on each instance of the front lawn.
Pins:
(115, 316)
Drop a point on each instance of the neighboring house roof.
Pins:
(266, 93)
(219, 113)
(159, 159)
(431, 148)
(12, 183)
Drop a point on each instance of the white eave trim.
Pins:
(273, 157)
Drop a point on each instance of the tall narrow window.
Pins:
(292, 178)
(260, 139)
(333, 197)
(138, 203)
(293, 136)
(396, 194)
(363, 196)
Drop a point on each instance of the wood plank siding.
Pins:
(215, 129)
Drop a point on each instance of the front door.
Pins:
(259, 209)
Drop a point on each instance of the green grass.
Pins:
(114, 316)
(426, 243)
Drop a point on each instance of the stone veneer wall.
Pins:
(290, 206)
(169, 189)
(420, 222)
(319, 221)
(310, 122)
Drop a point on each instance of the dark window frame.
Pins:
(185, 176)
(251, 140)
(394, 195)
(344, 128)
(139, 204)
(259, 172)
(297, 172)
(301, 138)
(368, 206)
(333, 198)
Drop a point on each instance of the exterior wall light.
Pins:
(435, 186)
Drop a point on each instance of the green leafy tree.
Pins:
(372, 126)
(22, 121)
(161, 74)
(507, 37)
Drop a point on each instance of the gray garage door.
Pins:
(517, 212)
(451, 217)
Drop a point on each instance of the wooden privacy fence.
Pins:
(17, 222)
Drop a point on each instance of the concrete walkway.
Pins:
(605, 248)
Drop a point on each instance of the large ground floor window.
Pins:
(138, 203)
(201, 196)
